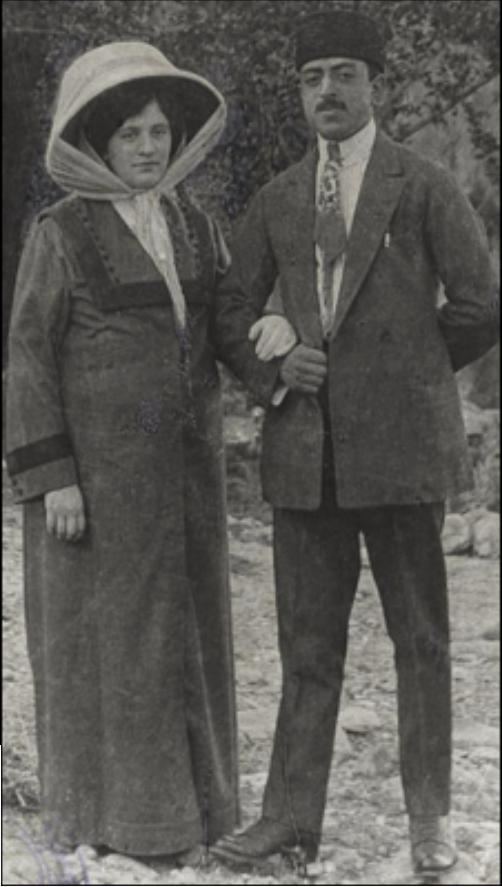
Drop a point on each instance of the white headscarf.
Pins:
(76, 167)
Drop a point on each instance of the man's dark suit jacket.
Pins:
(398, 435)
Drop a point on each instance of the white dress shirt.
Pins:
(142, 213)
(355, 153)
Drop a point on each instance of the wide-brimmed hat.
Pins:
(74, 167)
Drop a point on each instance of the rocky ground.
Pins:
(365, 830)
(365, 839)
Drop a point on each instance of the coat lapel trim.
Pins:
(380, 191)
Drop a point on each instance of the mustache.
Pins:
(328, 103)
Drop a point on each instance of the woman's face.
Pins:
(138, 152)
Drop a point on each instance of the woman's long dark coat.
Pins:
(128, 630)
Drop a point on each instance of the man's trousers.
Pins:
(317, 566)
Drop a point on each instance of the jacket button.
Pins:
(341, 437)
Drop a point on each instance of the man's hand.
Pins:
(64, 513)
(304, 369)
(274, 336)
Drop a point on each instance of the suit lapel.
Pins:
(380, 192)
(299, 215)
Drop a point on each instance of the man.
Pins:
(363, 432)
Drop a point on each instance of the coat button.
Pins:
(341, 437)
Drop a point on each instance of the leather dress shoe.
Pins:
(261, 840)
(432, 845)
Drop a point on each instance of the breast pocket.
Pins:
(407, 220)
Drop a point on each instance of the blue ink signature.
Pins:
(59, 874)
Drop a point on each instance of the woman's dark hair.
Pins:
(106, 113)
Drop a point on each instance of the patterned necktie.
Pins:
(330, 232)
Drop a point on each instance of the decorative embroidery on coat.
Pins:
(80, 208)
(186, 253)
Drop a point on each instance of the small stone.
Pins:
(473, 419)
(95, 875)
(385, 761)
(343, 748)
(120, 869)
(486, 536)
(86, 852)
(491, 865)
(359, 719)
(489, 834)
(465, 872)
(317, 869)
(394, 871)
(486, 753)
(467, 734)
(466, 833)
(393, 789)
(258, 723)
(491, 633)
(457, 535)
(255, 781)
(187, 875)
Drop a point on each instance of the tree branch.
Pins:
(432, 118)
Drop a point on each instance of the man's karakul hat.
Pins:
(339, 34)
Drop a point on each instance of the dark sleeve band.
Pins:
(32, 455)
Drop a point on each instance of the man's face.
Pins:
(337, 96)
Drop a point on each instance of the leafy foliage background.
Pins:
(439, 56)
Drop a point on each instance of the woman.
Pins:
(115, 447)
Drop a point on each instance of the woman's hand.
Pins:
(274, 336)
(64, 513)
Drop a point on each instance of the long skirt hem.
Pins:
(154, 840)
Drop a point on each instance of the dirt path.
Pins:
(365, 827)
